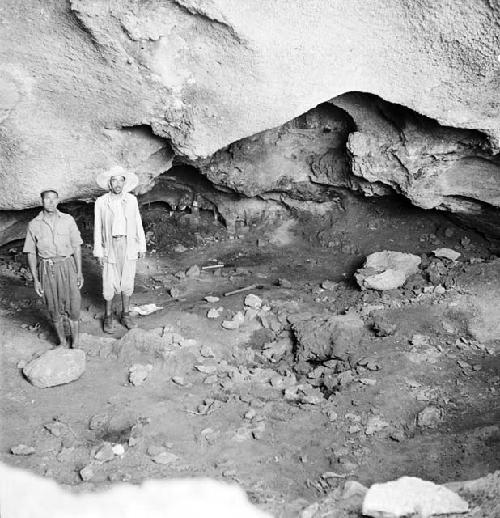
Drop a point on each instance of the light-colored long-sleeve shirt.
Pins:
(103, 227)
(52, 237)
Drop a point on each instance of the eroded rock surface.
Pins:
(87, 84)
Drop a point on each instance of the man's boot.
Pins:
(61, 333)
(109, 324)
(128, 321)
(75, 337)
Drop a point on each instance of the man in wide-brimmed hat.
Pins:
(119, 240)
(53, 244)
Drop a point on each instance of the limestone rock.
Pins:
(138, 373)
(429, 417)
(386, 270)
(410, 495)
(193, 271)
(22, 450)
(60, 125)
(253, 301)
(55, 367)
(322, 338)
(448, 253)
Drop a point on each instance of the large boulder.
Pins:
(55, 367)
(410, 496)
(387, 270)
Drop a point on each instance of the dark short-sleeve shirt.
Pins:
(48, 241)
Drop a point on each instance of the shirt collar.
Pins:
(41, 214)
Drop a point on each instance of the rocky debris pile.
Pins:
(327, 338)
(386, 270)
(55, 367)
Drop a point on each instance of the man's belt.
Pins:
(54, 260)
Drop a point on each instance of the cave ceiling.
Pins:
(86, 84)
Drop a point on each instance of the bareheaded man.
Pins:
(119, 241)
(53, 244)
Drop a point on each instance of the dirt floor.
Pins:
(417, 396)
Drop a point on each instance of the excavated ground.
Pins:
(422, 401)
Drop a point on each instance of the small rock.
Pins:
(104, 453)
(165, 458)
(439, 290)
(22, 450)
(210, 380)
(253, 301)
(179, 248)
(284, 283)
(375, 424)
(87, 473)
(382, 326)
(98, 421)
(55, 367)
(206, 369)
(429, 417)
(235, 323)
(118, 449)
(213, 313)
(206, 352)
(419, 340)
(175, 293)
(210, 299)
(410, 496)
(329, 285)
(56, 428)
(397, 435)
(138, 373)
(368, 381)
(250, 414)
(154, 450)
(193, 271)
(448, 253)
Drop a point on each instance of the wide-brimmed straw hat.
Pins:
(131, 179)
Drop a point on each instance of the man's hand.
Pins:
(79, 281)
(100, 261)
(38, 288)
(142, 255)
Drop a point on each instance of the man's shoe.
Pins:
(109, 325)
(128, 322)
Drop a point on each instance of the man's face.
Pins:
(116, 184)
(50, 201)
